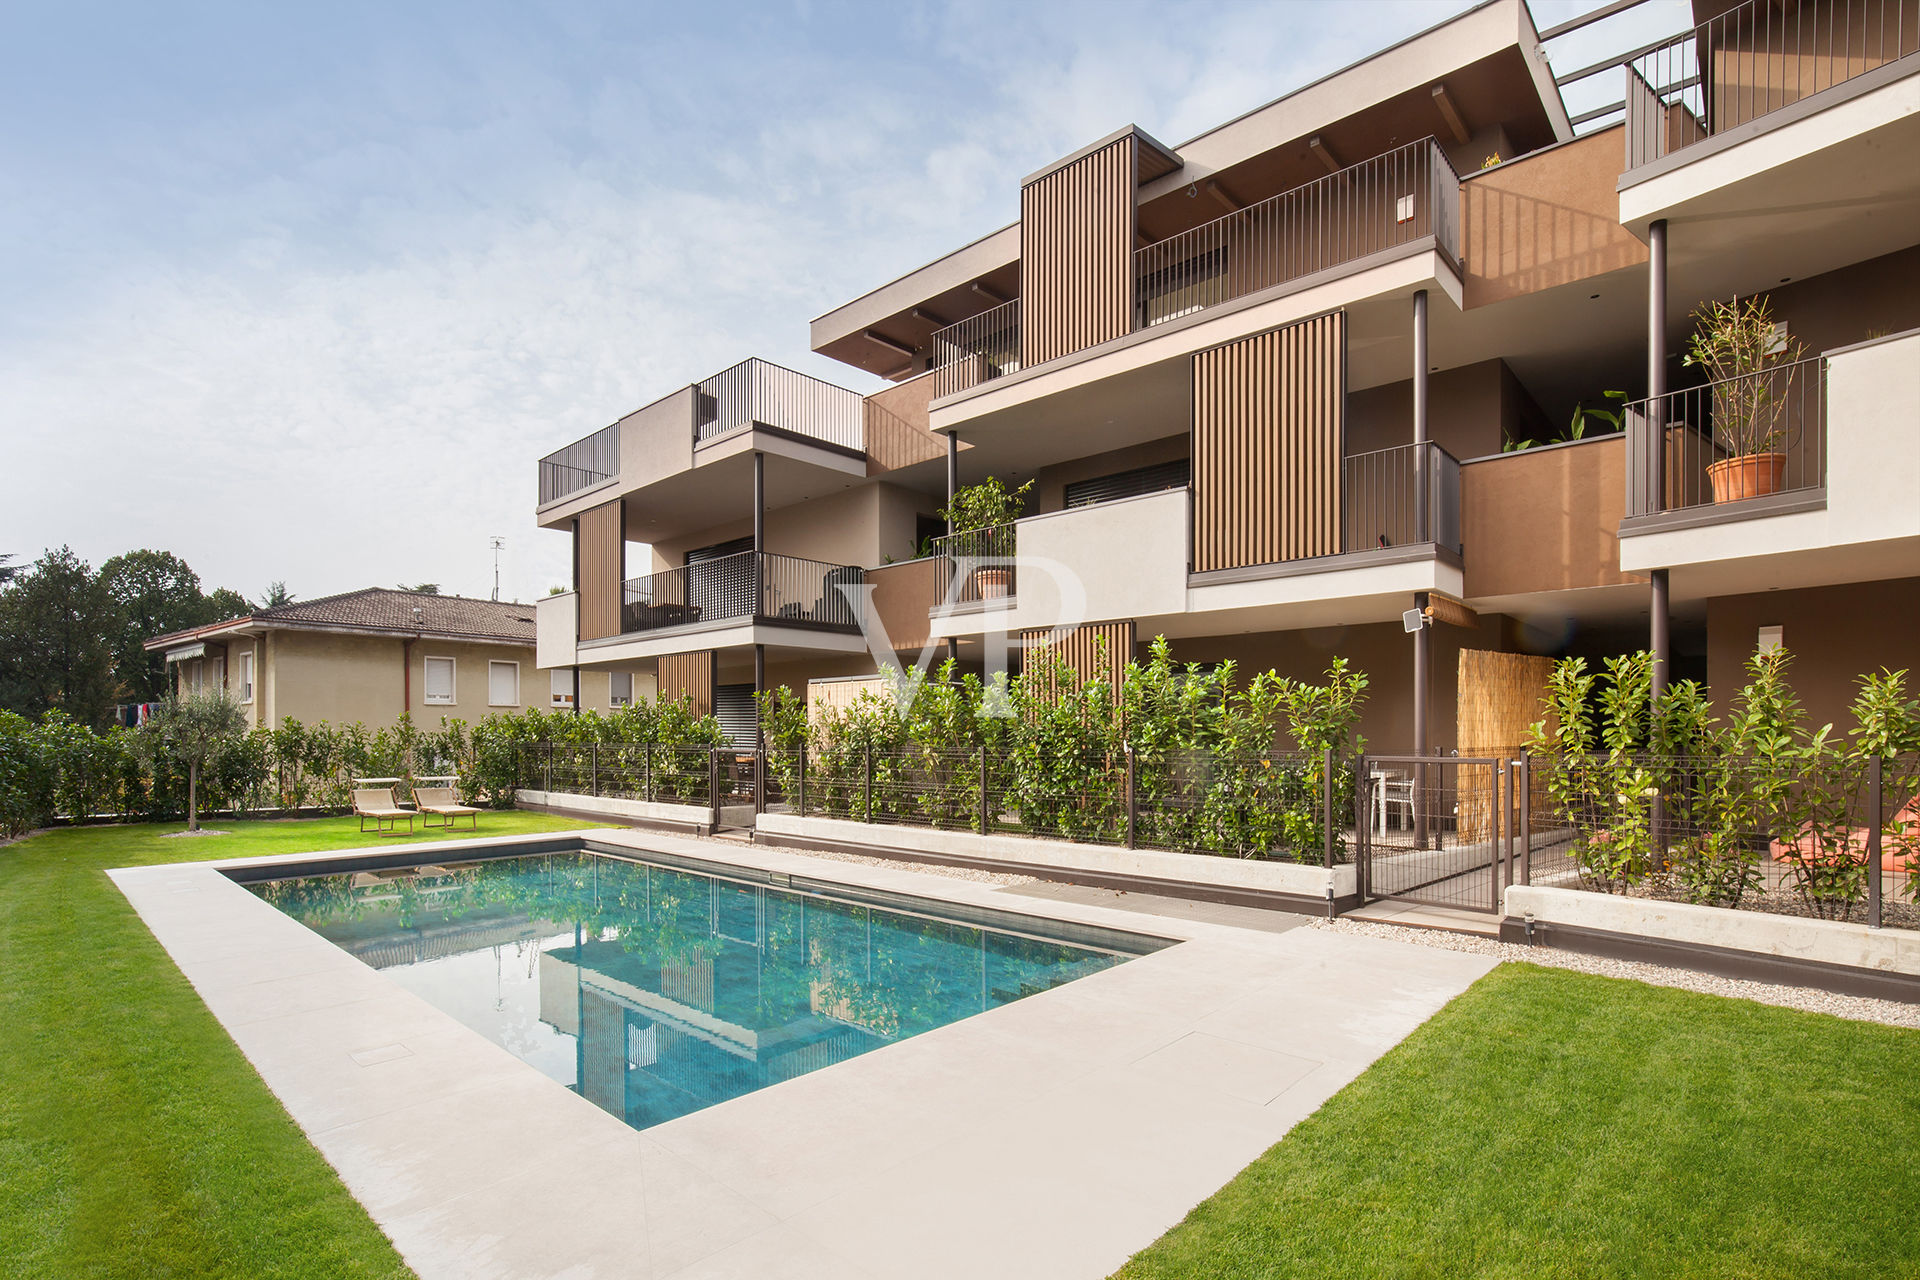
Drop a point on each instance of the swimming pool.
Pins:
(654, 990)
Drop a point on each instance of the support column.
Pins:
(759, 534)
(759, 689)
(1422, 694)
(1659, 639)
(1420, 482)
(953, 474)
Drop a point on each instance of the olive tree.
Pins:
(193, 729)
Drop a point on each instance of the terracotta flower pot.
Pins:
(1751, 475)
(992, 583)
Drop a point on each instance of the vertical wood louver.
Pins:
(1268, 430)
(689, 676)
(1076, 253)
(602, 555)
(1092, 651)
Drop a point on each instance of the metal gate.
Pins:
(1439, 829)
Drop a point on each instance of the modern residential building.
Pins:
(1298, 386)
(370, 656)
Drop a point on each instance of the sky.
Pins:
(303, 292)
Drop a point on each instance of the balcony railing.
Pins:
(1391, 200)
(977, 349)
(980, 564)
(755, 393)
(1755, 59)
(580, 465)
(1381, 504)
(1730, 441)
(744, 587)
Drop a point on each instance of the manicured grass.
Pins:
(1550, 1123)
(135, 1140)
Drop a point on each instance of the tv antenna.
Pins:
(496, 542)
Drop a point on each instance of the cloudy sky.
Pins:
(302, 292)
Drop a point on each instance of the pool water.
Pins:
(654, 991)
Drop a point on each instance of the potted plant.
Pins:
(982, 509)
(1749, 363)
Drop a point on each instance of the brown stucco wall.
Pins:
(1470, 410)
(1050, 483)
(1544, 519)
(902, 594)
(1839, 308)
(1383, 651)
(1545, 220)
(1835, 634)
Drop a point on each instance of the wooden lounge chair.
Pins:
(378, 803)
(441, 802)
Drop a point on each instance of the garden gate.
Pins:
(1439, 829)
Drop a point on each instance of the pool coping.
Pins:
(1081, 1122)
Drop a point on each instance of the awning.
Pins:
(186, 651)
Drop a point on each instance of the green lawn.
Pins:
(1550, 1123)
(134, 1138)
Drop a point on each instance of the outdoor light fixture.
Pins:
(1414, 619)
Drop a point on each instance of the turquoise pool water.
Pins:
(654, 991)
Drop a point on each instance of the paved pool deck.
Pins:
(1053, 1137)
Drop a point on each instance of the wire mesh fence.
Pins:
(1834, 839)
(656, 772)
(1269, 806)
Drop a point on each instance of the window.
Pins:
(245, 674)
(561, 684)
(220, 673)
(621, 693)
(440, 681)
(503, 684)
(1403, 209)
(1129, 484)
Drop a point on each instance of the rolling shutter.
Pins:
(733, 707)
(1130, 484)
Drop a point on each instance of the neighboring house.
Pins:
(1266, 382)
(370, 656)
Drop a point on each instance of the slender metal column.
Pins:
(1420, 513)
(1657, 365)
(953, 474)
(1422, 693)
(1659, 632)
(759, 689)
(759, 534)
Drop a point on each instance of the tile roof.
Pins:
(387, 609)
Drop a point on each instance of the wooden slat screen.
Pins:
(1076, 254)
(1269, 416)
(602, 569)
(1092, 651)
(690, 676)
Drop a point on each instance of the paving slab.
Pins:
(1080, 1123)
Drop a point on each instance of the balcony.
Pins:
(756, 395)
(581, 465)
(1393, 200)
(1752, 445)
(1754, 62)
(742, 589)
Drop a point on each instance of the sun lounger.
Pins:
(441, 802)
(378, 803)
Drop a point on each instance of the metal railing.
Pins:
(581, 465)
(1381, 498)
(977, 349)
(1747, 437)
(657, 772)
(1837, 838)
(1752, 60)
(743, 587)
(1267, 805)
(980, 563)
(756, 393)
(1393, 199)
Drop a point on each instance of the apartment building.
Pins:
(373, 655)
(1299, 387)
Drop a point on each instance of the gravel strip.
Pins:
(1859, 1008)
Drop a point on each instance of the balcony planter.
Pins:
(1753, 475)
(992, 583)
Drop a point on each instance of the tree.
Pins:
(423, 588)
(192, 729)
(224, 604)
(154, 593)
(57, 624)
(277, 597)
(8, 572)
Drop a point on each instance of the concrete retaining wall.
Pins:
(678, 815)
(1145, 864)
(1824, 942)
